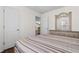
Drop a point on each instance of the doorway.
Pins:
(37, 25)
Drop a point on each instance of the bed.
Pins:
(47, 43)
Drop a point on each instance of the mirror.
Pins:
(63, 21)
(37, 25)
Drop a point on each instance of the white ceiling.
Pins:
(43, 9)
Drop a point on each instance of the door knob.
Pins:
(18, 30)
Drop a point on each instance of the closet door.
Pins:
(11, 27)
(1, 29)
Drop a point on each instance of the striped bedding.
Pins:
(47, 44)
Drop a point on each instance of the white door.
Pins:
(1, 29)
(44, 24)
(11, 27)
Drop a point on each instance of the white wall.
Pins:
(26, 21)
(75, 17)
(44, 23)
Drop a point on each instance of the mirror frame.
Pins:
(64, 14)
